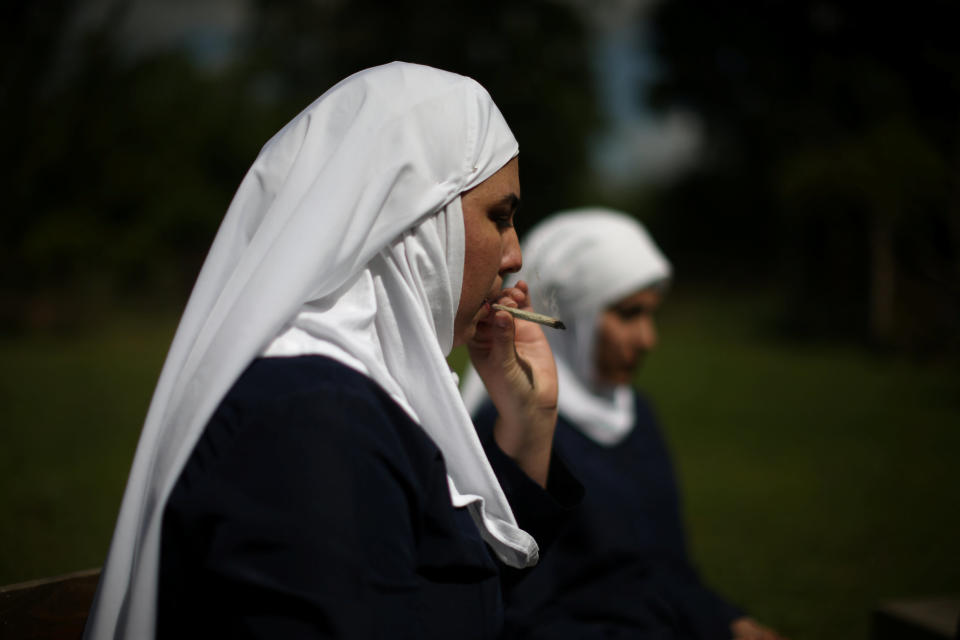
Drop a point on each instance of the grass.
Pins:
(71, 410)
(817, 479)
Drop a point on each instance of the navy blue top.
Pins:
(620, 568)
(313, 506)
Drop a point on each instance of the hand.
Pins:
(747, 628)
(516, 365)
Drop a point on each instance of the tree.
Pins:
(837, 123)
(121, 163)
(532, 56)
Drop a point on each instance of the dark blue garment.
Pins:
(620, 568)
(313, 506)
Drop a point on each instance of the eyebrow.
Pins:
(630, 307)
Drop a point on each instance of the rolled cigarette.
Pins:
(539, 318)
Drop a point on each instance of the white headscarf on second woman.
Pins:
(345, 238)
(577, 263)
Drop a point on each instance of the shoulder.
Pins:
(306, 435)
(279, 380)
(315, 387)
(645, 411)
(317, 403)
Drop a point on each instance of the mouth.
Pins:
(492, 296)
(485, 309)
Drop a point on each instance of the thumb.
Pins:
(502, 334)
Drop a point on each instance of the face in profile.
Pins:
(626, 333)
(492, 247)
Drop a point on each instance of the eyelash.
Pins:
(503, 221)
(633, 312)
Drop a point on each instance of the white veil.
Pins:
(348, 219)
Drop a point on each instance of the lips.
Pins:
(484, 311)
(491, 298)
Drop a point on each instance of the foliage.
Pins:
(118, 171)
(532, 57)
(834, 152)
(120, 165)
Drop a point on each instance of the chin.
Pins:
(624, 375)
(613, 380)
(464, 335)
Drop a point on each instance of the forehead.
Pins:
(502, 184)
(649, 297)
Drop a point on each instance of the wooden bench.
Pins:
(917, 619)
(57, 608)
(48, 608)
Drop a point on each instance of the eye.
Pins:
(502, 220)
(502, 212)
(631, 312)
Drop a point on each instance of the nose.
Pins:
(646, 333)
(511, 258)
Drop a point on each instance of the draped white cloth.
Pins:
(577, 263)
(345, 238)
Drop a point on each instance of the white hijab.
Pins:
(345, 238)
(577, 263)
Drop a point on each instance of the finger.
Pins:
(513, 293)
(517, 296)
(527, 302)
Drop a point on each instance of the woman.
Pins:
(307, 467)
(621, 568)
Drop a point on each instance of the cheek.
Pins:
(617, 346)
(485, 260)
(479, 269)
(606, 344)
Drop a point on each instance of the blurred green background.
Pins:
(798, 162)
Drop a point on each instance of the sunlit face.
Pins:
(492, 246)
(626, 332)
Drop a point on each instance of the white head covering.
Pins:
(577, 263)
(345, 238)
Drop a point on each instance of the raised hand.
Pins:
(516, 364)
(749, 629)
